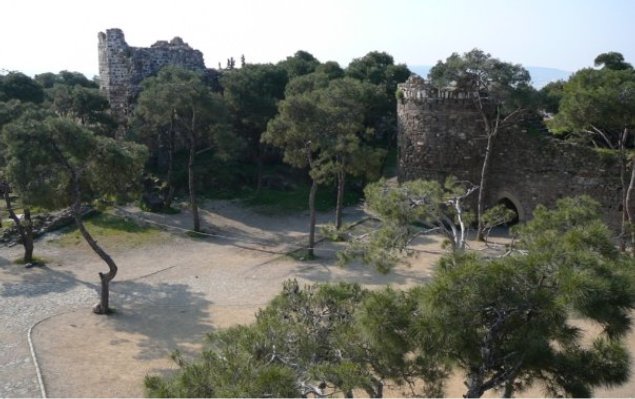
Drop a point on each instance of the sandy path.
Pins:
(168, 294)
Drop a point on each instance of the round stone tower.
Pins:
(440, 132)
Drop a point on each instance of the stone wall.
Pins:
(122, 68)
(441, 134)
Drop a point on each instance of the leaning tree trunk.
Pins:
(341, 176)
(103, 307)
(25, 230)
(314, 187)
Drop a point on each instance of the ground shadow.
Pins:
(259, 229)
(325, 269)
(4, 261)
(40, 280)
(165, 315)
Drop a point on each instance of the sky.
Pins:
(54, 35)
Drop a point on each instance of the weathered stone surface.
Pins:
(122, 68)
(442, 134)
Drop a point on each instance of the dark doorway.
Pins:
(507, 203)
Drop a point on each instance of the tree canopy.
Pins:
(301, 63)
(501, 94)
(177, 104)
(508, 323)
(18, 86)
(612, 60)
(599, 102)
(598, 106)
(54, 163)
(252, 94)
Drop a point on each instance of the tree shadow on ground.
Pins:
(165, 316)
(247, 226)
(326, 269)
(5, 262)
(40, 280)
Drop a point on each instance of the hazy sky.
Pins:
(53, 35)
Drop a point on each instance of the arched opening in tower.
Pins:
(509, 204)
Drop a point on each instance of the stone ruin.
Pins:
(441, 133)
(122, 68)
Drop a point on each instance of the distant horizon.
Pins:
(416, 66)
(62, 35)
(537, 80)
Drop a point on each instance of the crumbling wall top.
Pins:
(175, 43)
(418, 89)
(122, 68)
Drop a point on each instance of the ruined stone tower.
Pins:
(441, 134)
(122, 67)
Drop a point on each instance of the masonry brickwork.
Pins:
(441, 133)
(122, 68)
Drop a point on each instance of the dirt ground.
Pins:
(171, 291)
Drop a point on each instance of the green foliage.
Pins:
(379, 69)
(301, 63)
(506, 322)
(112, 229)
(303, 342)
(84, 104)
(307, 83)
(609, 155)
(177, 100)
(327, 122)
(550, 95)
(332, 69)
(405, 212)
(389, 321)
(596, 103)
(273, 201)
(18, 86)
(331, 233)
(45, 157)
(505, 85)
(12, 109)
(229, 367)
(322, 129)
(252, 94)
(320, 339)
(177, 110)
(612, 60)
(34, 260)
(501, 317)
(72, 79)
(497, 216)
